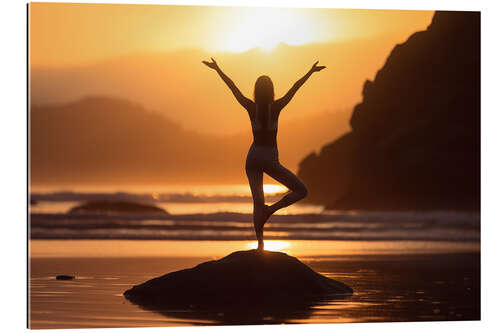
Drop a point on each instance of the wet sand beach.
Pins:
(413, 281)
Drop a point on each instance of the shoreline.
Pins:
(206, 248)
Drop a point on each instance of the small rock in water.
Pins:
(65, 277)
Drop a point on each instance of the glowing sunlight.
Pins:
(266, 28)
(274, 188)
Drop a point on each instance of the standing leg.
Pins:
(287, 178)
(255, 175)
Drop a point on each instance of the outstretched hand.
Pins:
(212, 64)
(315, 68)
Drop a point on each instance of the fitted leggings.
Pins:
(262, 159)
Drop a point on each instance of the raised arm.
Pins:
(283, 101)
(245, 102)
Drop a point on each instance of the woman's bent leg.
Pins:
(255, 176)
(287, 178)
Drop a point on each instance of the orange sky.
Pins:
(151, 55)
(73, 34)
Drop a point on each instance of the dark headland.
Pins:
(415, 138)
(240, 280)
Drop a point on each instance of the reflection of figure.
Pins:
(263, 154)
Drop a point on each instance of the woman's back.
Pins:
(264, 120)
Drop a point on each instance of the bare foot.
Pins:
(266, 214)
(261, 218)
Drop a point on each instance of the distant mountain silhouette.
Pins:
(99, 139)
(103, 140)
(415, 139)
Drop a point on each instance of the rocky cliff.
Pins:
(415, 138)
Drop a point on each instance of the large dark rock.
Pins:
(415, 139)
(239, 281)
(115, 206)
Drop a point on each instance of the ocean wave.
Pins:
(436, 217)
(456, 226)
(62, 233)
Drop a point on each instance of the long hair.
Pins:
(263, 96)
(264, 90)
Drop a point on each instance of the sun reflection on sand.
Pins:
(271, 245)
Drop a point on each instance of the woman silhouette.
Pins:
(262, 157)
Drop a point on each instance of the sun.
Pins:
(271, 245)
(265, 28)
